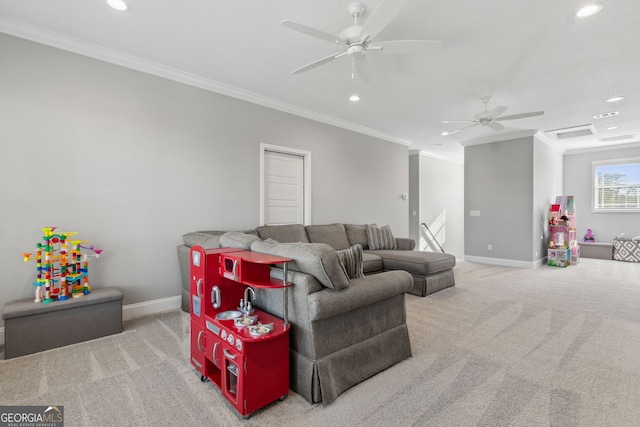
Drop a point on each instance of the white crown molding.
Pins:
(533, 133)
(435, 156)
(501, 137)
(57, 40)
(552, 143)
(624, 146)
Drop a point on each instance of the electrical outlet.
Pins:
(489, 247)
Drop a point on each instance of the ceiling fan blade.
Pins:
(497, 111)
(318, 34)
(458, 121)
(458, 130)
(381, 16)
(407, 47)
(318, 63)
(521, 115)
(495, 126)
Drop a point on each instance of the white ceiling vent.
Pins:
(603, 115)
(617, 138)
(573, 132)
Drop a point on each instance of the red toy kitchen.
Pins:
(243, 351)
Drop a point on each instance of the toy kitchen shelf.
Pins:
(243, 351)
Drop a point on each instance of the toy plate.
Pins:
(242, 322)
(260, 330)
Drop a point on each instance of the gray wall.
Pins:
(511, 183)
(498, 182)
(577, 182)
(436, 189)
(132, 162)
(547, 184)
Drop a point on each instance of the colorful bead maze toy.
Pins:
(62, 267)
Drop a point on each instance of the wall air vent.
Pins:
(617, 138)
(603, 115)
(573, 131)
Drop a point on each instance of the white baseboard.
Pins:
(503, 262)
(146, 308)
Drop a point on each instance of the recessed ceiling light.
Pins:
(118, 5)
(444, 133)
(354, 98)
(615, 99)
(589, 10)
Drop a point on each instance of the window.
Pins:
(616, 185)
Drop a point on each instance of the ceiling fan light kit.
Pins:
(357, 40)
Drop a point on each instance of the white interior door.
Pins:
(283, 188)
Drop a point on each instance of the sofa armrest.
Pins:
(405, 244)
(361, 292)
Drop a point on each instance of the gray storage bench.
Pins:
(30, 327)
(596, 250)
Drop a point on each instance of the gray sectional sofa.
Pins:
(340, 335)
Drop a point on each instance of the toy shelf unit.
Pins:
(563, 236)
(243, 351)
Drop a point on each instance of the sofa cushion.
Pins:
(238, 240)
(416, 262)
(317, 259)
(205, 239)
(357, 235)
(380, 237)
(351, 259)
(371, 263)
(290, 233)
(333, 235)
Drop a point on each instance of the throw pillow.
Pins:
(380, 237)
(351, 260)
(208, 240)
(316, 259)
(238, 240)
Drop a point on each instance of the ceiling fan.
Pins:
(357, 40)
(490, 118)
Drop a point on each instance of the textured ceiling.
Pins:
(527, 55)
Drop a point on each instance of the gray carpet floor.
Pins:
(505, 347)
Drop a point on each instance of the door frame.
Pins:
(306, 157)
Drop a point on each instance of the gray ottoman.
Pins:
(431, 271)
(30, 327)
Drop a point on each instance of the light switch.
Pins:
(474, 213)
